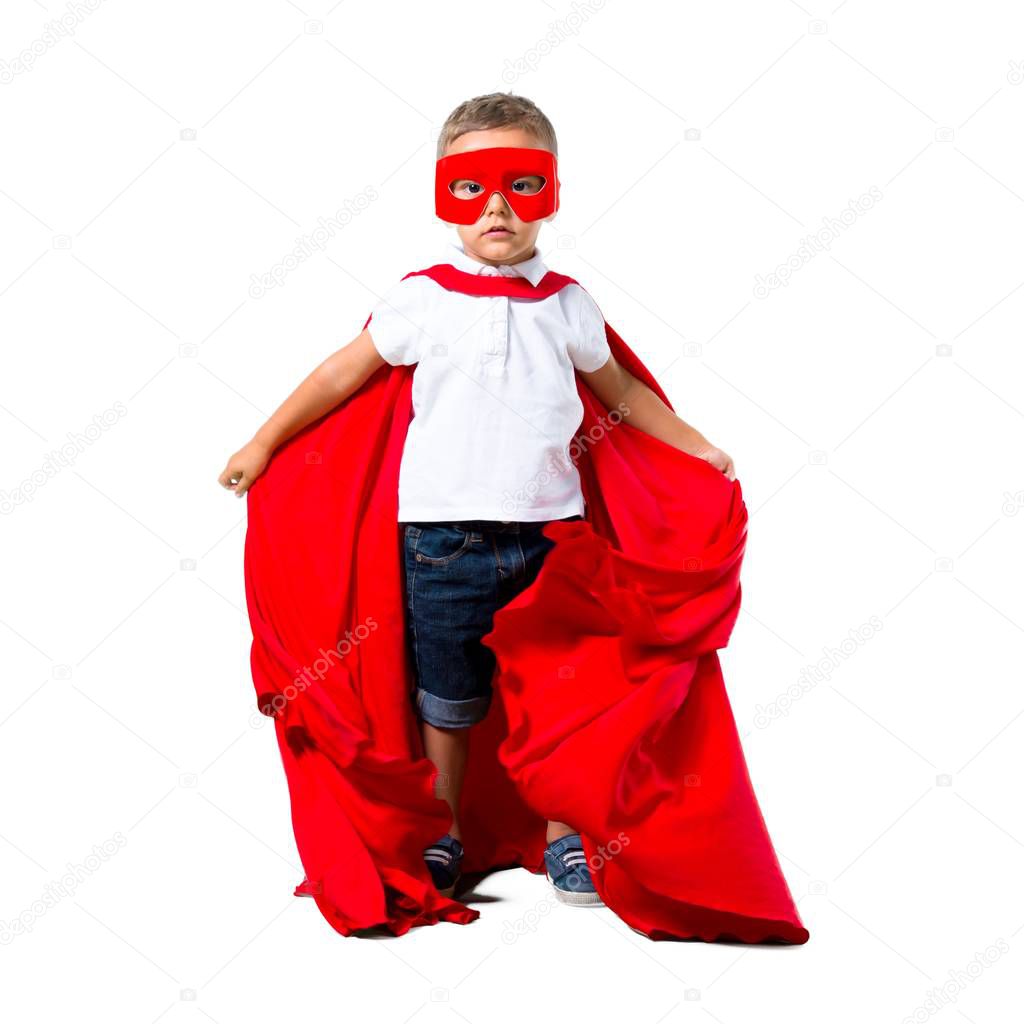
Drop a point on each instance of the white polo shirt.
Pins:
(494, 398)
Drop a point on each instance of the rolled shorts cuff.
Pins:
(451, 714)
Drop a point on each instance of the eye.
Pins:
(529, 185)
(465, 188)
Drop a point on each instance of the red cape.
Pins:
(609, 711)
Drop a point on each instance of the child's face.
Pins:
(499, 236)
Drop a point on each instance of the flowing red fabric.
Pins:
(609, 711)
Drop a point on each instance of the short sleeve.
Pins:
(397, 323)
(589, 349)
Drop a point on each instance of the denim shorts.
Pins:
(457, 575)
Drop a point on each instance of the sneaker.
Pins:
(568, 872)
(443, 861)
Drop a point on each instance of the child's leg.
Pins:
(557, 829)
(455, 580)
(535, 547)
(451, 596)
(447, 748)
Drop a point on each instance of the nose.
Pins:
(497, 205)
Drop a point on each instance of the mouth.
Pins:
(497, 232)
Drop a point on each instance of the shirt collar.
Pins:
(532, 269)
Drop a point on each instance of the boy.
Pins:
(495, 406)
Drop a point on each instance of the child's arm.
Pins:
(329, 384)
(613, 383)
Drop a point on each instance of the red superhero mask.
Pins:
(527, 179)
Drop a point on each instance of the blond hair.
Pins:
(497, 110)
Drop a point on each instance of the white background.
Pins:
(873, 406)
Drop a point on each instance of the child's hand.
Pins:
(243, 467)
(718, 459)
